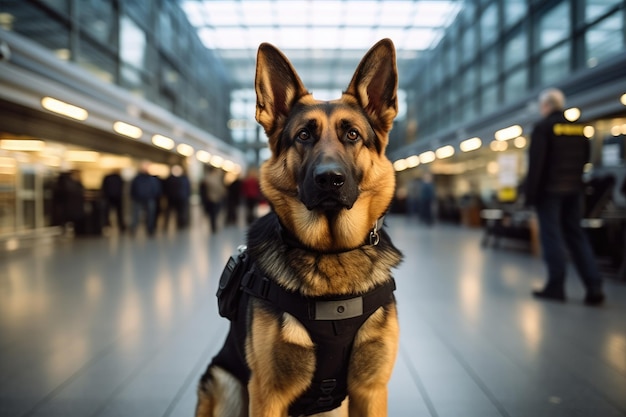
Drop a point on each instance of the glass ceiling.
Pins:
(324, 39)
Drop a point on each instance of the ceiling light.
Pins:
(623, 99)
(519, 142)
(510, 132)
(22, 145)
(470, 144)
(127, 130)
(184, 149)
(203, 156)
(616, 130)
(589, 131)
(216, 161)
(66, 109)
(412, 161)
(228, 165)
(445, 152)
(572, 114)
(400, 165)
(427, 157)
(163, 141)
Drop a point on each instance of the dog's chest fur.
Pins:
(315, 274)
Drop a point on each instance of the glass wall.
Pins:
(497, 52)
(146, 47)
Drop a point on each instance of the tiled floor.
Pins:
(123, 327)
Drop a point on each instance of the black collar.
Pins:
(292, 241)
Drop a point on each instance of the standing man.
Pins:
(145, 191)
(558, 151)
(112, 192)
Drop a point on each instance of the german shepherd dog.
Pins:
(316, 333)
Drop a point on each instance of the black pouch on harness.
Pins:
(229, 289)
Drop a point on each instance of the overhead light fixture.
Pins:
(519, 142)
(63, 108)
(400, 165)
(445, 152)
(82, 156)
(471, 144)
(427, 157)
(163, 141)
(216, 161)
(507, 133)
(184, 149)
(589, 131)
(412, 161)
(572, 114)
(28, 145)
(228, 165)
(623, 99)
(203, 156)
(127, 130)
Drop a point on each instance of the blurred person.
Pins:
(554, 186)
(427, 199)
(413, 197)
(213, 192)
(145, 191)
(68, 198)
(177, 191)
(251, 192)
(112, 190)
(233, 201)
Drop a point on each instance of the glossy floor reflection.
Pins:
(123, 327)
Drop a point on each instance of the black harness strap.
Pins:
(332, 323)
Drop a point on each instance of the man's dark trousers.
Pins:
(559, 222)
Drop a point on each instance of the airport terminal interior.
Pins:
(108, 308)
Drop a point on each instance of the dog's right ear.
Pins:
(278, 87)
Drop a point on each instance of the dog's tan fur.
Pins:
(279, 351)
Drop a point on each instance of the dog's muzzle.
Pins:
(328, 186)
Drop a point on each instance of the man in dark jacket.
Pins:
(144, 191)
(112, 192)
(177, 190)
(557, 154)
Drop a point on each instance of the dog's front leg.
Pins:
(373, 357)
(281, 358)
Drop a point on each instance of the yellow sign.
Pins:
(562, 129)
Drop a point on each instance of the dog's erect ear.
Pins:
(278, 87)
(375, 83)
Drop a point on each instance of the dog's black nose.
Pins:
(329, 176)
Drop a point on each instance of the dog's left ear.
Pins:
(375, 83)
(278, 87)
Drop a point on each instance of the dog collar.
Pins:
(290, 240)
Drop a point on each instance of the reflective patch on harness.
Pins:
(562, 129)
(339, 310)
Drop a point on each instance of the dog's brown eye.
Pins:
(304, 135)
(352, 134)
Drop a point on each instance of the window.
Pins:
(596, 8)
(515, 85)
(554, 26)
(489, 98)
(132, 43)
(489, 67)
(469, 81)
(98, 19)
(515, 51)
(489, 25)
(469, 44)
(554, 65)
(604, 39)
(514, 11)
